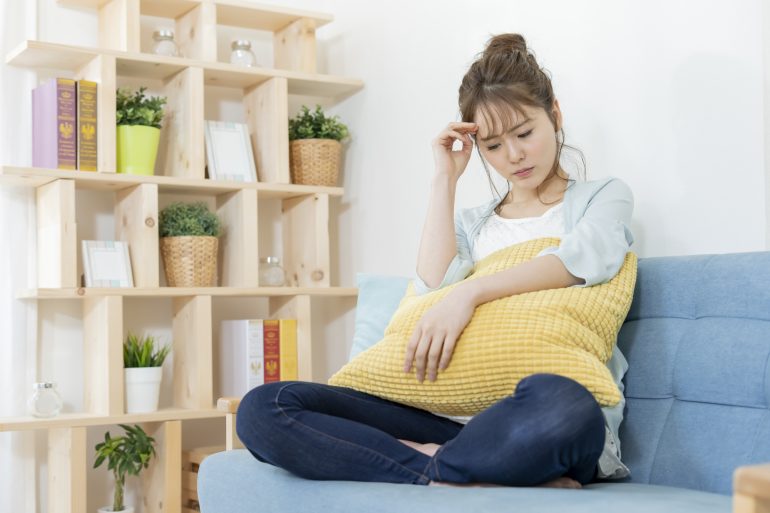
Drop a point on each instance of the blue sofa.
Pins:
(697, 339)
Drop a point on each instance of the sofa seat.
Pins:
(268, 488)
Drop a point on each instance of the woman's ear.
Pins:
(556, 115)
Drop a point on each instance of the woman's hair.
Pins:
(505, 78)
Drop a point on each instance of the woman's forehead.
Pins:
(496, 119)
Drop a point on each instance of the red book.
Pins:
(272, 355)
(54, 124)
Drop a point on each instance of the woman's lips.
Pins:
(524, 173)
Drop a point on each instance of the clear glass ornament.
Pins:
(242, 54)
(164, 43)
(271, 274)
(45, 401)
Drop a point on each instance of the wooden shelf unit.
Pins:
(304, 219)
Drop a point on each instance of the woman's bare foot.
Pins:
(562, 482)
(427, 449)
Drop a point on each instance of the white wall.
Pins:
(665, 94)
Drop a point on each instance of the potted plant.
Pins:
(189, 244)
(143, 371)
(125, 455)
(315, 147)
(138, 132)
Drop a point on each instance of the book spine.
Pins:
(37, 134)
(86, 117)
(255, 359)
(44, 148)
(66, 123)
(272, 347)
(288, 344)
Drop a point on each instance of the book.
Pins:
(228, 152)
(241, 360)
(255, 351)
(54, 121)
(86, 122)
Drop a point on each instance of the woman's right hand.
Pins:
(453, 163)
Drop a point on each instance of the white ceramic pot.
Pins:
(142, 389)
(108, 509)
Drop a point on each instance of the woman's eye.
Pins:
(493, 147)
(525, 134)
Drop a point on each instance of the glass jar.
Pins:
(45, 401)
(242, 54)
(164, 43)
(271, 274)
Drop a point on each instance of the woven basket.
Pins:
(190, 261)
(315, 161)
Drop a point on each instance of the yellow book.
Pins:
(288, 349)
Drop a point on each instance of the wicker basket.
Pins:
(315, 161)
(190, 261)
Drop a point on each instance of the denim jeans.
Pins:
(550, 427)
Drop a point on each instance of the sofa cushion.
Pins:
(567, 331)
(697, 339)
(235, 482)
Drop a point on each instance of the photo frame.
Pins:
(106, 264)
(229, 155)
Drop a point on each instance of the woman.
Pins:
(550, 431)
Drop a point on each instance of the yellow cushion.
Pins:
(568, 331)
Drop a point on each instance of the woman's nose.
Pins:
(515, 154)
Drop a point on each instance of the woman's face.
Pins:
(523, 150)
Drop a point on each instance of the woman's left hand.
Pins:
(436, 333)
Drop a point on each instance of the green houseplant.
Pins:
(143, 371)
(125, 455)
(315, 147)
(138, 133)
(189, 244)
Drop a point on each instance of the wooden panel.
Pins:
(743, 503)
(197, 454)
(231, 436)
(84, 419)
(102, 71)
(56, 235)
(238, 251)
(180, 153)
(167, 8)
(295, 48)
(247, 14)
(162, 480)
(297, 308)
(67, 470)
(267, 114)
(193, 380)
(83, 293)
(119, 25)
(306, 240)
(103, 351)
(196, 32)
(136, 222)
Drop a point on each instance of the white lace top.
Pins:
(500, 232)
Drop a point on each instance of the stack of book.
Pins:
(64, 124)
(255, 351)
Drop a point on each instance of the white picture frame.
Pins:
(229, 155)
(106, 263)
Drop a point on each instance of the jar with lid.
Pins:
(164, 43)
(241, 54)
(271, 274)
(45, 401)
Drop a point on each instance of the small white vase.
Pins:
(142, 389)
(108, 509)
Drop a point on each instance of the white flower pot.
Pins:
(108, 509)
(142, 389)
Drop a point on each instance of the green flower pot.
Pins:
(137, 147)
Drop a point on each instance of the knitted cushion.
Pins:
(569, 331)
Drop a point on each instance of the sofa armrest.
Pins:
(229, 405)
(751, 487)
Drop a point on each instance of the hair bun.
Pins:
(505, 44)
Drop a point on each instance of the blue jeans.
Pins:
(550, 427)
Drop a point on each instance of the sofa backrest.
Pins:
(697, 340)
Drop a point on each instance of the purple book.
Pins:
(54, 124)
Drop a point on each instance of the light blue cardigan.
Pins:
(596, 238)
